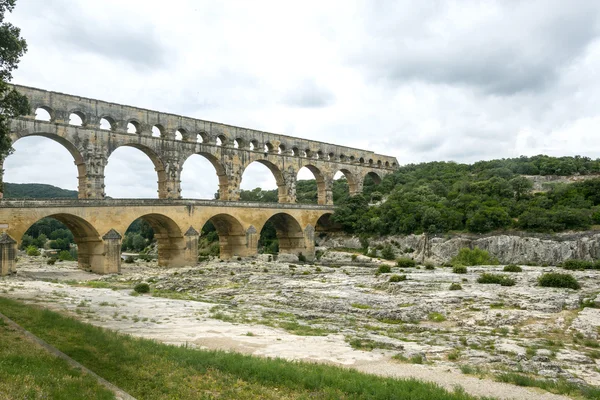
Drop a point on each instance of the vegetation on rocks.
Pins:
(472, 257)
(558, 280)
(500, 279)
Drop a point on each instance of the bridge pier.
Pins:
(191, 246)
(8, 255)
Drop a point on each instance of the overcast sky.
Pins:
(419, 80)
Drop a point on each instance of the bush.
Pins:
(500, 279)
(459, 269)
(512, 268)
(455, 286)
(397, 278)
(429, 266)
(51, 261)
(33, 251)
(580, 264)
(558, 280)
(388, 253)
(406, 262)
(384, 269)
(354, 257)
(472, 257)
(301, 257)
(142, 287)
(129, 260)
(64, 255)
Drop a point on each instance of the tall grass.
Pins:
(151, 370)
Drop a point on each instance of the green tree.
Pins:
(12, 104)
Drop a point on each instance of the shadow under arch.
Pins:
(71, 148)
(90, 247)
(282, 190)
(289, 233)
(170, 240)
(325, 224)
(353, 185)
(161, 169)
(233, 240)
(372, 176)
(219, 169)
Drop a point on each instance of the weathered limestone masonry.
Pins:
(230, 149)
(99, 224)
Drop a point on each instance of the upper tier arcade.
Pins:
(108, 126)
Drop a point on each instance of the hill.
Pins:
(36, 191)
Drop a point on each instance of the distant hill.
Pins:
(36, 191)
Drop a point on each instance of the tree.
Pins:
(12, 104)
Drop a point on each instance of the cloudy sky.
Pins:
(422, 81)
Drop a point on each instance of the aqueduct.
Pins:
(98, 223)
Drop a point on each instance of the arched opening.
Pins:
(196, 180)
(107, 123)
(44, 114)
(295, 152)
(325, 224)
(311, 187)
(65, 237)
(307, 153)
(361, 160)
(201, 137)
(238, 143)
(221, 140)
(370, 183)
(180, 134)
(268, 147)
(281, 149)
(331, 156)
(282, 234)
(262, 181)
(319, 155)
(130, 172)
(169, 246)
(138, 241)
(253, 144)
(29, 162)
(133, 127)
(343, 186)
(76, 118)
(342, 158)
(222, 236)
(158, 131)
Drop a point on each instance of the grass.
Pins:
(436, 317)
(560, 386)
(150, 370)
(500, 279)
(30, 372)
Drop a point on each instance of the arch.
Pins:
(202, 137)
(387, 163)
(107, 123)
(71, 148)
(354, 187)
(295, 151)
(325, 224)
(90, 247)
(361, 160)
(323, 192)
(253, 144)
(281, 149)
(221, 140)
(189, 175)
(374, 176)
(159, 167)
(44, 113)
(342, 157)
(379, 163)
(169, 239)
(307, 153)
(181, 134)
(277, 174)
(77, 118)
(238, 143)
(289, 233)
(268, 147)
(331, 156)
(232, 236)
(158, 131)
(319, 155)
(134, 127)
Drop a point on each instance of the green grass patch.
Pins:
(361, 306)
(560, 386)
(436, 317)
(150, 370)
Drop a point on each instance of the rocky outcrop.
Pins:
(519, 248)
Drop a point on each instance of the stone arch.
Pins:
(90, 247)
(169, 238)
(111, 122)
(49, 110)
(354, 185)
(232, 236)
(80, 114)
(323, 186)
(289, 234)
(283, 191)
(325, 224)
(219, 169)
(374, 176)
(74, 150)
(135, 124)
(159, 166)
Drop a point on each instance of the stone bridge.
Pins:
(91, 130)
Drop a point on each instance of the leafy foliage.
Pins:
(471, 257)
(512, 268)
(406, 262)
(580, 264)
(500, 279)
(558, 280)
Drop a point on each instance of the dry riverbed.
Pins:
(344, 314)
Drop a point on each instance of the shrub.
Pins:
(388, 253)
(429, 266)
(142, 287)
(372, 253)
(500, 279)
(406, 262)
(301, 257)
(354, 257)
(384, 269)
(397, 278)
(51, 261)
(32, 251)
(580, 264)
(459, 269)
(512, 268)
(455, 286)
(408, 250)
(129, 260)
(472, 257)
(65, 256)
(558, 280)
